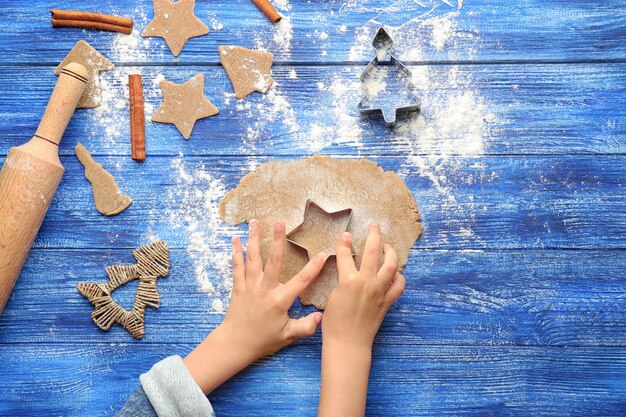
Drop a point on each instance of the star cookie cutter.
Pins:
(385, 58)
(309, 206)
(152, 263)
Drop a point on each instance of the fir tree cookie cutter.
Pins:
(319, 229)
(379, 97)
(152, 263)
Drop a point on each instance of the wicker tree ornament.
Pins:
(152, 263)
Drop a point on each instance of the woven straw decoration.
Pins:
(152, 263)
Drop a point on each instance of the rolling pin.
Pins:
(30, 176)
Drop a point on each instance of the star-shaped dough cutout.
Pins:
(248, 70)
(183, 104)
(320, 229)
(176, 23)
(94, 62)
(152, 263)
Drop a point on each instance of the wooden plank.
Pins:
(81, 380)
(535, 298)
(467, 110)
(465, 203)
(332, 31)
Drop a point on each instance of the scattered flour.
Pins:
(455, 120)
(112, 116)
(131, 48)
(280, 41)
(282, 5)
(192, 206)
(442, 30)
(216, 24)
(454, 124)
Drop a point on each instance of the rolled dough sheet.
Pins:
(279, 190)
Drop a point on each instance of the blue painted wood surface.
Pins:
(516, 293)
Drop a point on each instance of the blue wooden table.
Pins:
(516, 292)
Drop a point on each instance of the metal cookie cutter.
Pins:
(380, 96)
(329, 235)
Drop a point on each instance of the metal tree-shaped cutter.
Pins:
(404, 101)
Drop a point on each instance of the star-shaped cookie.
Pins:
(183, 104)
(176, 23)
(94, 62)
(248, 70)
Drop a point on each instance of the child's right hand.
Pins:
(357, 306)
(354, 312)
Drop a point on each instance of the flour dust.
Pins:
(192, 206)
(455, 120)
(454, 125)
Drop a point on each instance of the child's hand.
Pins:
(357, 306)
(258, 313)
(354, 313)
(257, 322)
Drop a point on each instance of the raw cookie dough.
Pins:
(94, 62)
(279, 190)
(183, 104)
(176, 23)
(106, 194)
(248, 70)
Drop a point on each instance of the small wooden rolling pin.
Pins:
(30, 176)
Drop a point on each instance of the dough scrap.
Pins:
(94, 62)
(248, 70)
(176, 23)
(184, 104)
(279, 190)
(106, 194)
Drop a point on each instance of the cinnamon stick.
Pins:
(269, 10)
(89, 20)
(137, 118)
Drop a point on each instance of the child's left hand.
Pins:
(257, 323)
(258, 313)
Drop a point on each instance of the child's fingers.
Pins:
(396, 289)
(304, 278)
(345, 261)
(390, 266)
(254, 266)
(371, 251)
(239, 266)
(304, 326)
(274, 265)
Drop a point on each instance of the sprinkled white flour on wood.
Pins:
(282, 5)
(192, 206)
(455, 119)
(454, 124)
(131, 48)
(280, 41)
(216, 24)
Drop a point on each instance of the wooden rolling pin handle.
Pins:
(30, 176)
(62, 103)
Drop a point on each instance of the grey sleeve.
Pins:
(137, 405)
(168, 390)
